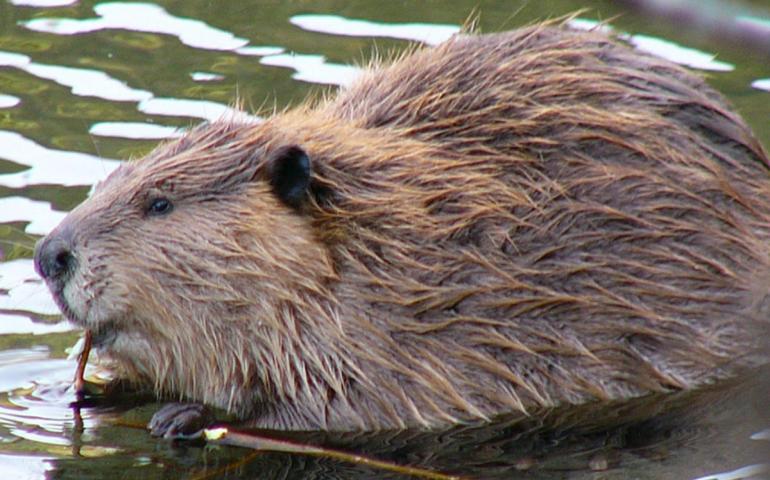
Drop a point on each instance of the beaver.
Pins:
(503, 223)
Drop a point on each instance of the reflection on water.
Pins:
(25, 467)
(87, 83)
(49, 166)
(141, 17)
(689, 57)
(761, 84)
(43, 3)
(31, 410)
(8, 101)
(84, 82)
(336, 25)
(752, 471)
(202, 109)
(21, 324)
(313, 68)
(42, 218)
(135, 130)
(23, 290)
(206, 77)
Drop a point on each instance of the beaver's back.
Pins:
(521, 80)
(555, 218)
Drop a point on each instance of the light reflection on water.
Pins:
(84, 82)
(689, 57)
(35, 413)
(42, 217)
(141, 17)
(43, 3)
(336, 25)
(751, 471)
(25, 467)
(8, 101)
(31, 410)
(24, 291)
(47, 166)
(134, 130)
(35, 381)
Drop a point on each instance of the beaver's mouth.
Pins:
(102, 335)
(64, 306)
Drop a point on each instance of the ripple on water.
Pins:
(43, 3)
(204, 109)
(142, 17)
(206, 77)
(313, 68)
(46, 164)
(36, 393)
(82, 81)
(134, 130)
(8, 101)
(41, 218)
(660, 47)
(751, 472)
(761, 84)
(22, 290)
(11, 324)
(25, 467)
(429, 33)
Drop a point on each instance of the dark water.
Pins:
(85, 84)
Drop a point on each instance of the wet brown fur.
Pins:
(502, 223)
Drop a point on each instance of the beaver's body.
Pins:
(503, 222)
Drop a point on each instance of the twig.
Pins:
(226, 436)
(80, 382)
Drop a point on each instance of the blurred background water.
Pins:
(85, 85)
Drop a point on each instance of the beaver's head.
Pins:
(182, 263)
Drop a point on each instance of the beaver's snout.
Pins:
(54, 257)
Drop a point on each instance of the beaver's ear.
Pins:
(289, 173)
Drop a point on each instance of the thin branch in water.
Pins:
(80, 383)
(226, 436)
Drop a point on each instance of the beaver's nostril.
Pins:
(62, 261)
(54, 258)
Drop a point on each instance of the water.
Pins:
(84, 85)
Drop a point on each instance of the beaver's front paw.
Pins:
(176, 421)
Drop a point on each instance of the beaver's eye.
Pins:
(159, 206)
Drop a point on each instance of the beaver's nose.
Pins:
(54, 259)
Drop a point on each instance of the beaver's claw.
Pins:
(180, 421)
